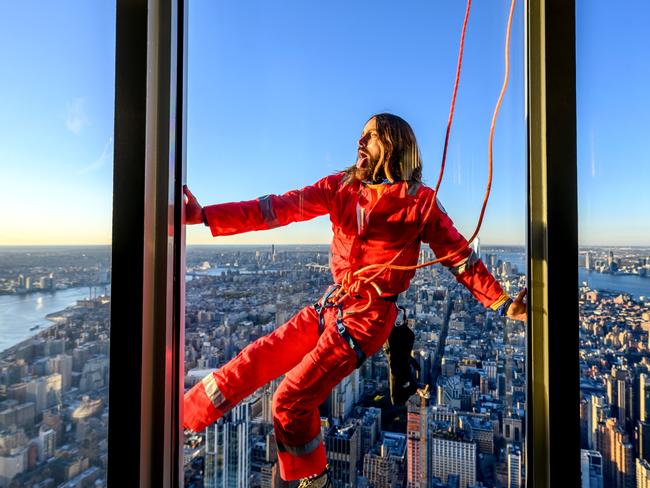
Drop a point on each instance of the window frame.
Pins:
(146, 370)
(553, 414)
(148, 289)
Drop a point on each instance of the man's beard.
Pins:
(365, 169)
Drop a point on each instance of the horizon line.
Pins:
(489, 244)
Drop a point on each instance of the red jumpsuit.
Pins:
(367, 230)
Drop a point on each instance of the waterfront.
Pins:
(635, 285)
(19, 313)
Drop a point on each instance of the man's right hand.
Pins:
(193, 210)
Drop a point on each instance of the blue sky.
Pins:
(279, 92)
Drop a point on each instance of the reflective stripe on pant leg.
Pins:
(258, 363)
(268, 357)
(199, 409)
(296, 418)
(220, 402)
(300, 450)
(296, 467)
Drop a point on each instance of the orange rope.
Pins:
(353, 283)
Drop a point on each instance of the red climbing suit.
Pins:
(367, 230)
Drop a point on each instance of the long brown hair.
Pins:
(401, 159)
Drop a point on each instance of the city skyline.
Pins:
(282, 92)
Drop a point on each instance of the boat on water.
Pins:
(35, 327)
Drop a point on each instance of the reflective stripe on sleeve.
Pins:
(266, 207)
(465, 264)
(219, 401)
(500, 301)
(300, 450)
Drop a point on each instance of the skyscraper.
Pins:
(345, 395)
(450, 453)
(620, 390)
(342, 444)
(515, 479)
(618, 457)
(642, 474)
(591, 469)
(228, 450)
(598, 412)
(417, 459)
(644, 397)
(642, 437)
(46, 442)
(384, 465)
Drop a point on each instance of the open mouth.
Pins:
(362, 160)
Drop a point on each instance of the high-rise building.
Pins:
(417, 464)
(46, 443)
(618, 456)
(513, 428)
(267, 400)
(384, 465)
(342, 445)
(515, 478)
(62, 364)
(644, 397)
(481, 429)
(619, 395)
(591, 469)
(370, 427)
(642, 474)
(598, 411)
(44, 391)
(228, 450)
(450, 453)
(642, 437)
(270, 476)
(344, 396)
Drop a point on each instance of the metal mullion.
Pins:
(145, 440)
(178, 353)
(124, 426)
(553, 452)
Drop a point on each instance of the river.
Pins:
(18, 313)
(633, 284)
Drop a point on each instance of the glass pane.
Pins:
(614, 226)
(278, 98)
(56, 146)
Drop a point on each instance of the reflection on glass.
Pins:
(614, 240)
(56, 130)
(277, 99)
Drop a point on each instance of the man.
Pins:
(380, 213)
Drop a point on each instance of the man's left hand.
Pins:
(518, 309)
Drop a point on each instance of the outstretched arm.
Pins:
(443, 239)
(267, 212)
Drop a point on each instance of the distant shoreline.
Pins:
(62, 247)
(41, 331)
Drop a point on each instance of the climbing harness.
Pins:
(325, 303)
(357, 282)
